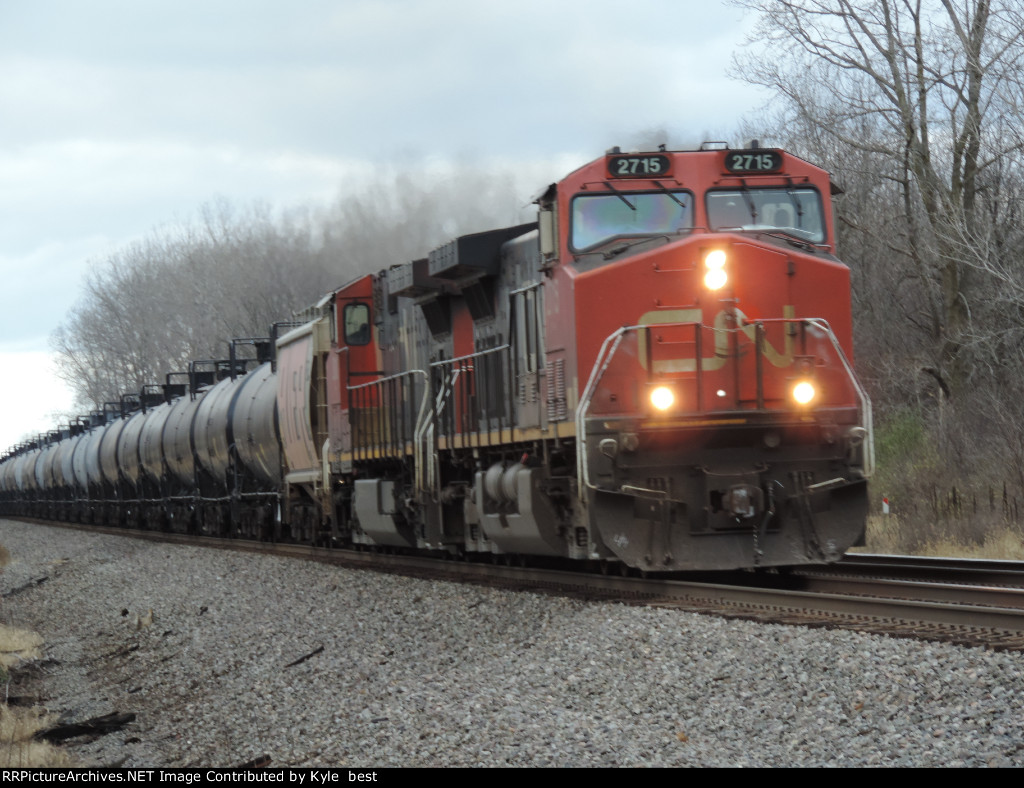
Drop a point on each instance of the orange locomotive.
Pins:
(658, 373)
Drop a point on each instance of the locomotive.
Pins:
(656, 373)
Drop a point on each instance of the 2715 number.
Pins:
(638, 166)
(746, 161)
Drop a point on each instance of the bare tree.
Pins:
(180, 293)
(183, 291)
(934, 90)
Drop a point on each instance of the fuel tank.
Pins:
(151, 452)
(93, 465)
(86, 457)
(129, 444)
(210, 430)
(45, 467)
(240, 413)
(108, 451)
(178, 450)
(66, 472)
(7, 477)
(18, 472)
(254, 427)
(57, 463)
(24, 466)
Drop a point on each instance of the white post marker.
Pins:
(885, 506)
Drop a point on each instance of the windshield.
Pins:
(796, 212)
(598, 218)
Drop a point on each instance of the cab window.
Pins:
(356, 318)
(599, 218)
(795, 212)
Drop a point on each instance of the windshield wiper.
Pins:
(792, 240)
(678, 202)
(620, 195)
(749, 200)
(790, 193)
(623, 247)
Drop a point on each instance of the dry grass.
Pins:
(883, 536)
(1005, 545)
(18, 645)
(890, 535)
(19, 749)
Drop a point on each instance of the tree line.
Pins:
(182, 292)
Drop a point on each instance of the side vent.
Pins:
(528, 391)
(413, 280)
(558, 409)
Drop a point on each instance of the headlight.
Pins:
(804, 392)
(715, 278)
(715, 258)
(662, 398)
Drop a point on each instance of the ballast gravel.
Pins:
(404, 672)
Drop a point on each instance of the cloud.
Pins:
(120, 116)
(367, 77)
(30, 393)
(42, 285)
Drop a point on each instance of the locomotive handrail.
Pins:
(581, 431)
(468, 356)
(430, 437)
(862, 395)
(606, 354)
(419, 429)
(444, 394)
(449, 387)
(446, 388)
(867, 417)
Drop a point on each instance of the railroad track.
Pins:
(968, 602)
(966, 571)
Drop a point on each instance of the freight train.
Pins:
(655, 374)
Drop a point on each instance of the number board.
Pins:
(646, 165)
(753, 161)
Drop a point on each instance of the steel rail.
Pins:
(971, 571)
(974, 614)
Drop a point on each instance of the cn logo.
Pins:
(725, 325)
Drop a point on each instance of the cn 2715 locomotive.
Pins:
(655, 373)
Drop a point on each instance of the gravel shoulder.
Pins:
(414, 673)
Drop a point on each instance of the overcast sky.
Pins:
(119, 116)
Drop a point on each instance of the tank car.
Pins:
(656, 374)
